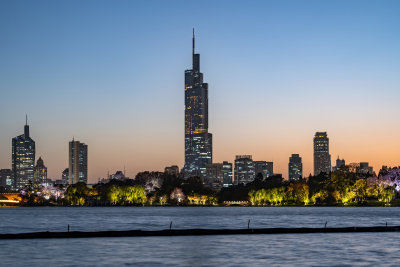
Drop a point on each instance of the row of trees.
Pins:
(156, 188)
(337, 188)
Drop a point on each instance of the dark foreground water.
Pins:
(350, 249)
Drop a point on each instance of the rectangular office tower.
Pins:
(23, 159)
(198, 141)
(78, 155)
(295, 168)
(244, 169)
(227, 173)
(322, 158)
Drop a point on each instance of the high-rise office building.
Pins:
(295, 168)
(261, 167)
(214, 173)
(198, 141)
(244, 169)
(23, 159)
(227, 173)
(78, 167)
(322, 158)
(40, 172)
(6, 178)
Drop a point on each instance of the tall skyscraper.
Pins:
(244, 169)
(295, 168)
(40, 172)
(23, 159)
(198, 141)
(78, 168)
(322, 158)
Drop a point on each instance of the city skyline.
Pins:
(280, 93)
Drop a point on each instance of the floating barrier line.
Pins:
(199, 232)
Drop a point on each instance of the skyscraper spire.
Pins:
(193, 42)
(26, 127)
(198, 141)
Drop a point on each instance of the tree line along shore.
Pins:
(338, 188)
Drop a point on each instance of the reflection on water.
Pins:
(362, 249)
(15, 220)
(351, 249)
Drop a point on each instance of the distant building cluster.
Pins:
(198, 145)
(355, 167)
(24, 173)
(198, 152)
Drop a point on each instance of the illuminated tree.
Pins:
(114, 194)
(177, 195)
(348, 195)
(360, 189)
(280, 194)
(70, 195)
(252, 197)
(388, 194)
(163, 199)
(194, 199)
(213, 200)
(152, 199)
(139, 195)
(76, 193)
(337, 196)
(320, 195)
(203, 199)
(298, 193)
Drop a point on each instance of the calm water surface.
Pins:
(360, 249)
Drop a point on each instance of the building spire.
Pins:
(193, 42)
(26, 127)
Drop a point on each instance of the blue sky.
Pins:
(110, 73)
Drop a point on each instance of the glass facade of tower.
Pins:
(295, 168)
(23, 159)
(78, 168)
(322, 158)
(244, 169)
(198, 141)
(227, 173)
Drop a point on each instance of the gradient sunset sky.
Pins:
(111, 74)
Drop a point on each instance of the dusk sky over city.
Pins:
(111, 75)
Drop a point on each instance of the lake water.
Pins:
(350, 249)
